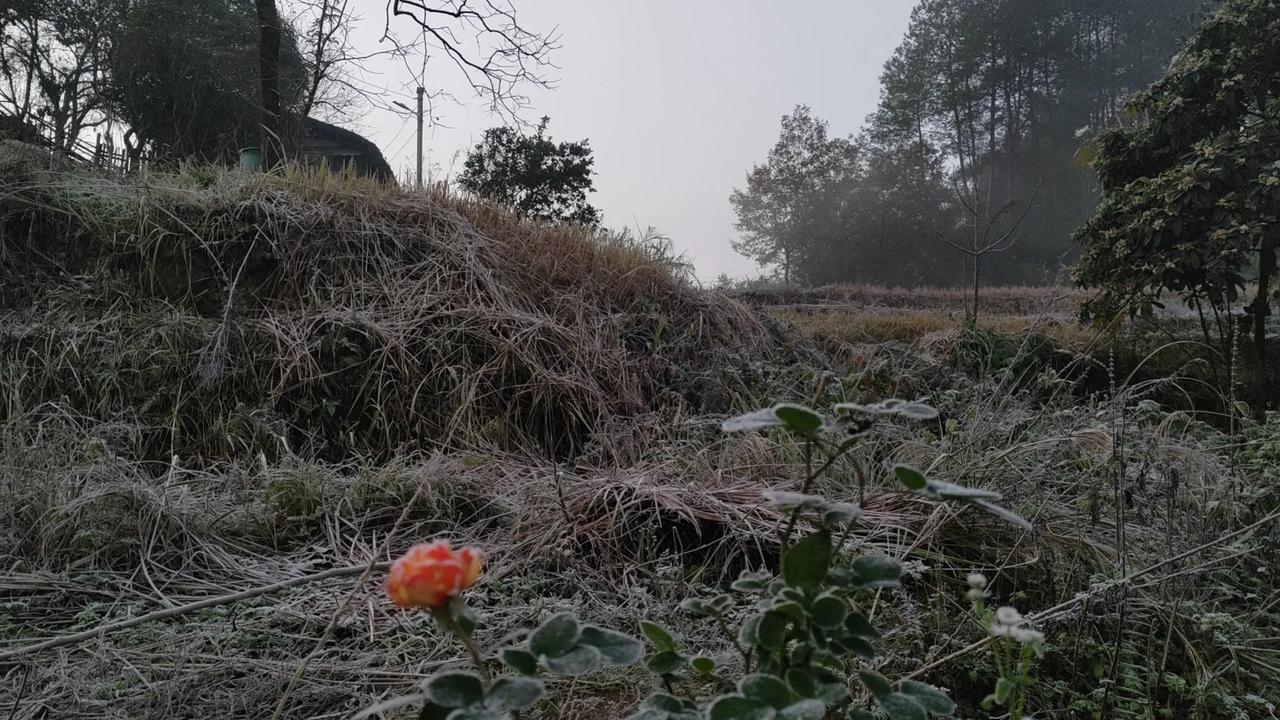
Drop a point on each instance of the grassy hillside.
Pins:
(243, 390)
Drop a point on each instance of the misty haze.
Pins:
(541, 359)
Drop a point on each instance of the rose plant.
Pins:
(805, 638)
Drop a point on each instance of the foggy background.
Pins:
(678, 99)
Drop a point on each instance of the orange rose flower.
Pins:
(430, 574)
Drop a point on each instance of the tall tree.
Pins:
(1191, 187)
(1001, 87)
(55, 64)
(534, 175)
(185, 77)
(271, 121)
(786, 211)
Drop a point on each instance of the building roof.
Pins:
(321, 137)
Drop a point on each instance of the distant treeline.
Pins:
(971, 153)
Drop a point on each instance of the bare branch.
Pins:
(504, 56)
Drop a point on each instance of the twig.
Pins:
(342, 608)
(79, 637)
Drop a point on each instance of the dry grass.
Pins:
(321, 315)
(1000, 300)
(930, 327)
(214, 383)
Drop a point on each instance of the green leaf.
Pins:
(943, 490)
(514, 693)
(876, 683)
(858, 646)
(1004, 690)
(454, 689)
(476, 713)
(802, 683)
(858, 625)
(917, 411)
(768, 689)
(1007, 515)
(749, 633)
(807, 562)
(644, 713)
(929, 697)
(556, 636)
(520, 660)
(721, 603)
(799, 419)
(697, 606)
(833, 692)
(791, 609)
(663, 702)
(703, 664)
(910, 477)
(617, 649)
(578, 661)
(877, 571)
(659, 638)
(841, 514)
(667, 662)
(829, 611)
(737, 707)
(661, 706)
(432, 711)
(811, 709)
(752, 581)
(464, 616)
(757, 420)
(901, 707)
(795, 418)
(788, 501)
(772, 630)
(893, 406)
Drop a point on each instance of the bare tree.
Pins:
(496, 54)
(54, 65)
(985, 238)
(335, 85)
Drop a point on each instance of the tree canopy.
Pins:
(1191, 182)
(792, 202)
(974, 139)
(534, 175)
(186, 76)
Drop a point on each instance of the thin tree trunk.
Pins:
(269, 73)
(977, 269)
(1261, 310)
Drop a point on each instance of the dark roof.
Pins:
(318, 131)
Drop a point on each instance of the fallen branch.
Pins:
(10, 655)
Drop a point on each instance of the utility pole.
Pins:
(417, 180)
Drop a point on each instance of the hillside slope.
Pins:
(226, 401)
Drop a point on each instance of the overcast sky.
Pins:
(678, 98)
